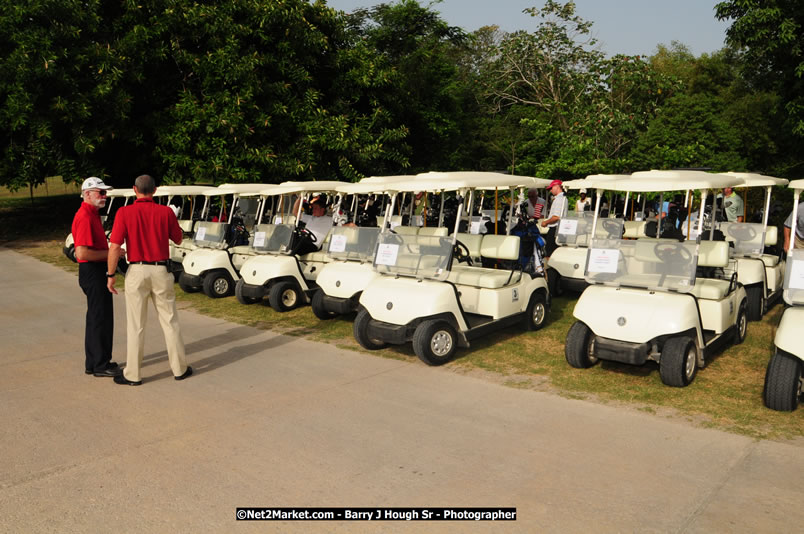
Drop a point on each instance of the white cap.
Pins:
(582, 191)
(93, 182)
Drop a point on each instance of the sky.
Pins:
(631, 27)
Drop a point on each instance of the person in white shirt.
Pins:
(558, 209)
(582, 203)
(319, 223)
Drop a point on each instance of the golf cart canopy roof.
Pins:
(796, 184)
(302, 187)
(484, 180)
(751, 179)
(228, 189)
(169, 190)
(386, 179)
(127, 192)
(594, 181)
(655, 181)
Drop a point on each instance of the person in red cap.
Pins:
(558, 209)
(91, 252)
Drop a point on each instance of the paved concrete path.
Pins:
(270, 420)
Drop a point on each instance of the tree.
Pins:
(770, 36)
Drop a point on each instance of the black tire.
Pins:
(435, 342)
(360, 330)
(319, 310)
(284, 296)
(536, 312)
(679, 362)
(186, 286)
(242, 299)
(122, 266)
(70, 253)
(554, 283)
(755, 302)
(742, 325)
(577, 351)
(218, 284)
(782, 382)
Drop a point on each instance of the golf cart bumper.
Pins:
(339, 305)
(621, 351)
(390, 333)
(191, 280)
(575, 285)
(253, 291)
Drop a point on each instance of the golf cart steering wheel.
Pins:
(304, 232)
(461, 253)
(672, 252)
(612, 228)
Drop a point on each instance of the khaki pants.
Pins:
(154, 282)
(799, 243)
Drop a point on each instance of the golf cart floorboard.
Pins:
(481, 325)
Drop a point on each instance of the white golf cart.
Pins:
(664, 300)
(185, 200)
(426, 295)
(106, 218)
(783, 378)
(220, 245)
(274, 269)
(760, 273)
(352, 248)
(565, 270)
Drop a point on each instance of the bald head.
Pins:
(145, 184)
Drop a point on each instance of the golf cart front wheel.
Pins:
(218, 284)
(755, 302)
(360, 330)
(536, 312)
(319, 309)
(284, 296)
(679, 362)
(782, 382)
(241, 298)
(435, 342)
(579, 348)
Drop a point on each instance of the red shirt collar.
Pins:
(88, 206)
(144, 199)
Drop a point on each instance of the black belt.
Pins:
(148, 262)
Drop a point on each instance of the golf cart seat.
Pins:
(634, 229)
(500, 247)
(319, 255)
(407, 230)
(472, 242)
(712, 254)
(186, 225)
(434, 231)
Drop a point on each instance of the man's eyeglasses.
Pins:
(101, 192)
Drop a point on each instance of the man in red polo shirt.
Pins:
(91, 251)
(145, 227)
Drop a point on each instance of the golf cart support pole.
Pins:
(767, 208)
(441, 212)
(625, 205)
(793, 219)
(599, 194)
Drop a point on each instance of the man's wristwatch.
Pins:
(110, 275)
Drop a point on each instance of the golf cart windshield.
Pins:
(413, 255)
(575, 230)
(211, 234)
(353, 243)
(272, 238)
(794, 278)
(656, 264)
(748, 238)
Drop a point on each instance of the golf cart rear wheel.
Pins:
(319, 309)
(782, 382)
(435, 342)
(284, 296)
(755, 302)
(579, 347)
(218, 284)
(241, 298)
(536, 312)
(186, 286)
(360, 330)
(742, 325)
(679, 362)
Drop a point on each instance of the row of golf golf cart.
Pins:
(672, 301)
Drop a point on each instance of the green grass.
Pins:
(727, 394)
